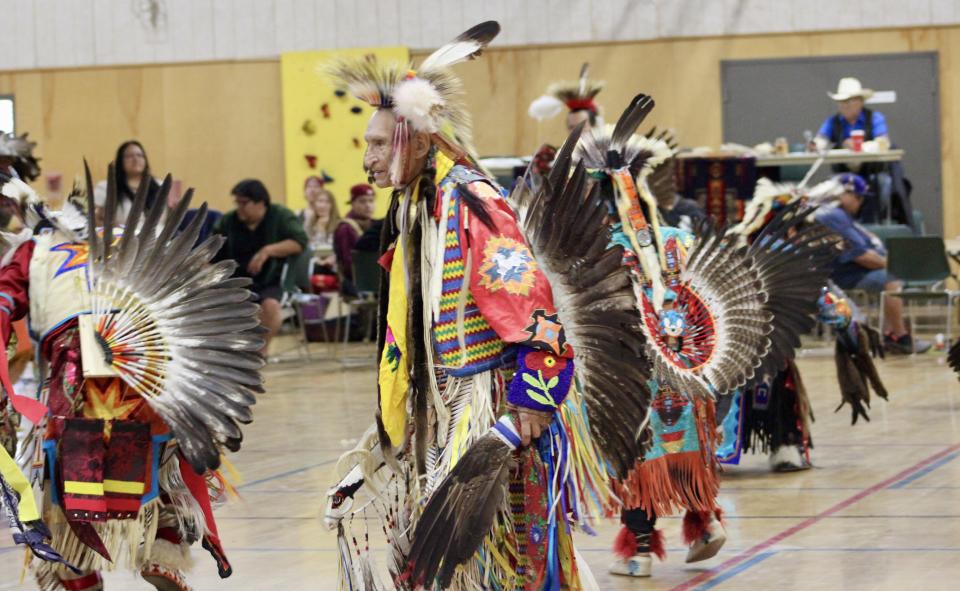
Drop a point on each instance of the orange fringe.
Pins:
(671, 483)
(674, 482)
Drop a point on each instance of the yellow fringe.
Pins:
(589, 470)
(119, 537)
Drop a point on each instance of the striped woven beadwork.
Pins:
(483, 347)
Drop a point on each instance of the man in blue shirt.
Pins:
(852, 115)
(862, 264)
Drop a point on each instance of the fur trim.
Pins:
(625, 545)
(695, 525)
(658, 546)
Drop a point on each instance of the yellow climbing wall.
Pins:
(319, 124)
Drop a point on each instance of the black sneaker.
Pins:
(905, 345)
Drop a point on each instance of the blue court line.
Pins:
(925, 470)
(285, 474)
(735, 570)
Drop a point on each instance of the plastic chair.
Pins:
(920, 263)
(366, 271)
(366, 279)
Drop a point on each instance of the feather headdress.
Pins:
(21, 150)
(580, 94)
(425, 98)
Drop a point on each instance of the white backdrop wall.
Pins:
(78, 33)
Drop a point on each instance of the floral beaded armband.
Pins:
(542, 380)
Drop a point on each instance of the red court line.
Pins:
(749, 552)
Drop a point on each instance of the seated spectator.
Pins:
(862, 264)
(351, 227)
(851, 115)
(320, 221)
(260, 237)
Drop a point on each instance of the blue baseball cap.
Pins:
(854, 183)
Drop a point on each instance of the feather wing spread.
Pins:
(177, 329)
(752, 303)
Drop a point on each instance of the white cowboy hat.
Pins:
(848, 88)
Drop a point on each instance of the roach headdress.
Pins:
(578, 95)
(425, 98)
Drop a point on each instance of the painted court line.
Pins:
(758, 558)
(748, 554)
(285, 474)
(921, 473)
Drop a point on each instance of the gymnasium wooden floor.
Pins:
(878, 511)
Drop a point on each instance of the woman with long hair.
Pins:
(320, 219)
(131, 168)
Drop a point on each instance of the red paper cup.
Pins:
(856, 138)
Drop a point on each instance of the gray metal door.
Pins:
(767, 99)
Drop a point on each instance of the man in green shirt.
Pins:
(261, 236)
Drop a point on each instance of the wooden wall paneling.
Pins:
(223, 125)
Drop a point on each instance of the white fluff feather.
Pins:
(417, 101)
(545, 106)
